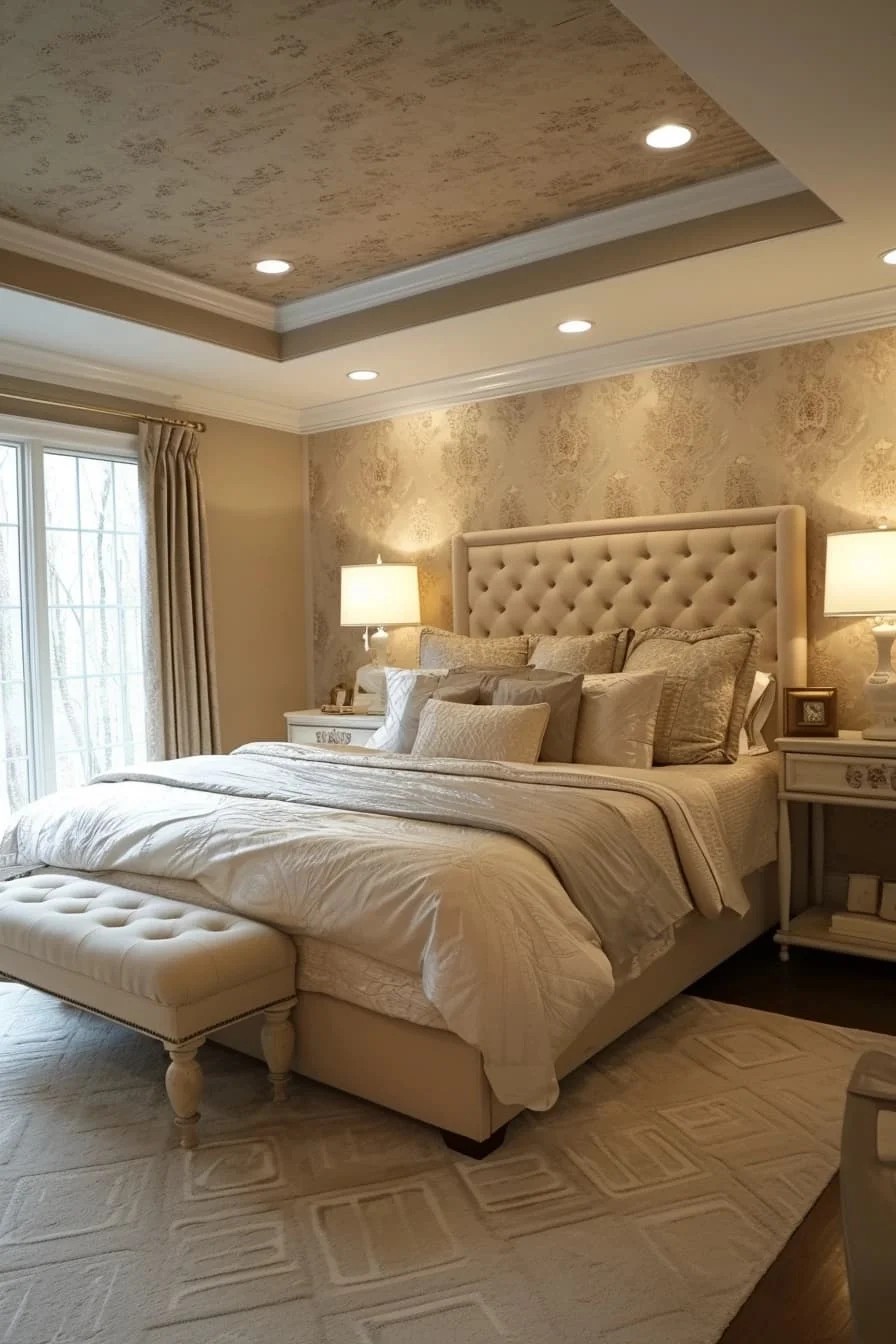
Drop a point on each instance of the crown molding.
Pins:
(765, 183)
(712, 340)
(22, 238)
(782, 326)
(30, 362)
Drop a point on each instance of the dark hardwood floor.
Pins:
(803, 1298)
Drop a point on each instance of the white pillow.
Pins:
(617, 719)
(407, 691)
(482, 732)
(759, 706)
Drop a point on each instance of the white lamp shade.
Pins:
(860, 573)
(380, 595)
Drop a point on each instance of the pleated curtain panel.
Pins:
(179, 652)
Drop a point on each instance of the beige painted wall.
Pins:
(253, 480)
(813, 424)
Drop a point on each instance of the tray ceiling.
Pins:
(353, 139)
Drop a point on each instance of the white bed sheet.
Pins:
(746, 795)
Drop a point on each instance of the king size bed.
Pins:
(470, 932)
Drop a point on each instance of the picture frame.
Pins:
(810, 711)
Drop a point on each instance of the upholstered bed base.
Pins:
(435, 1077)
(736, 567)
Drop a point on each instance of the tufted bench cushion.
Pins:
(165, 967)
(171, 970)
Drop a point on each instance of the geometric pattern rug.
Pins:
(642, 1209)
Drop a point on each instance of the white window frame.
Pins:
(35, 437)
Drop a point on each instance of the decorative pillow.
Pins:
(482, 732)
(603, 651)
(561, 692)
(759, 706)
(441, 648)
(407, 691)
(617, 719)
(709, 674)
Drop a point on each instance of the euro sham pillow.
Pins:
(617, 719)
(442, 648)
(760, 704)
(709, 674)
(561, 691)
(482, 732)
(604, 651)
(407, 691)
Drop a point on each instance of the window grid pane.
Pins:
(15, 759)
(98, 717)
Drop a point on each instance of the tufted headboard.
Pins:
(743, 567)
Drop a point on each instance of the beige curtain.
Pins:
(181, 700)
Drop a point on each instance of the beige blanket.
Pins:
(510, 894)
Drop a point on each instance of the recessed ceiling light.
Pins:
(363, 375)
(889, 257)
(574, 326)
(273, 267)
(669, 136)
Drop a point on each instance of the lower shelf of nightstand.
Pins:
(812, 929)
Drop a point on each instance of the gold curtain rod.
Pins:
(196, 425)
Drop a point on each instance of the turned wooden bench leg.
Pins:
(183, 1083)
(278, 1039)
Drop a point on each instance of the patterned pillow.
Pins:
(407, 691)
(603, 651)
(709, 674)
(617, 719)
(441, 648)
(482, 732)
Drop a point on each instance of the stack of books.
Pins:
(863, 928)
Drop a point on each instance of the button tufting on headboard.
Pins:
(737, 567)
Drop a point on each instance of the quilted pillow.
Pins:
(407, 691)
(482, 732)
(603, 651)
(442, 648)
(709, 675)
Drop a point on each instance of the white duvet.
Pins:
(422, 866)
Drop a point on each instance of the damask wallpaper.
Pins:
(813, 424)
(351, 138)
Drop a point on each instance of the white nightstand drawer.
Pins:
(329, 735)
(843, 776)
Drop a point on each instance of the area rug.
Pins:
(641, 1210)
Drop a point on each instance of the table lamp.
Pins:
(860, 580)
(377, 595)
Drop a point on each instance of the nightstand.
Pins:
(851, 771)
(331, 730)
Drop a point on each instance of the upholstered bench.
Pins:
(170, 970)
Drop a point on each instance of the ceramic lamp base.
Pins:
(880, 688)
(370, 682)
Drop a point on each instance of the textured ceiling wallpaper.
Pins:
(351, 138)
(812, 424)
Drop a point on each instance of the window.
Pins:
(71, 661)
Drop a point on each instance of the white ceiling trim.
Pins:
(24, 361)
(765, 183)
(136, 274)
(712, 340)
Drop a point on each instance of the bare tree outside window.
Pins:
(85, 688)
(13, 712)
